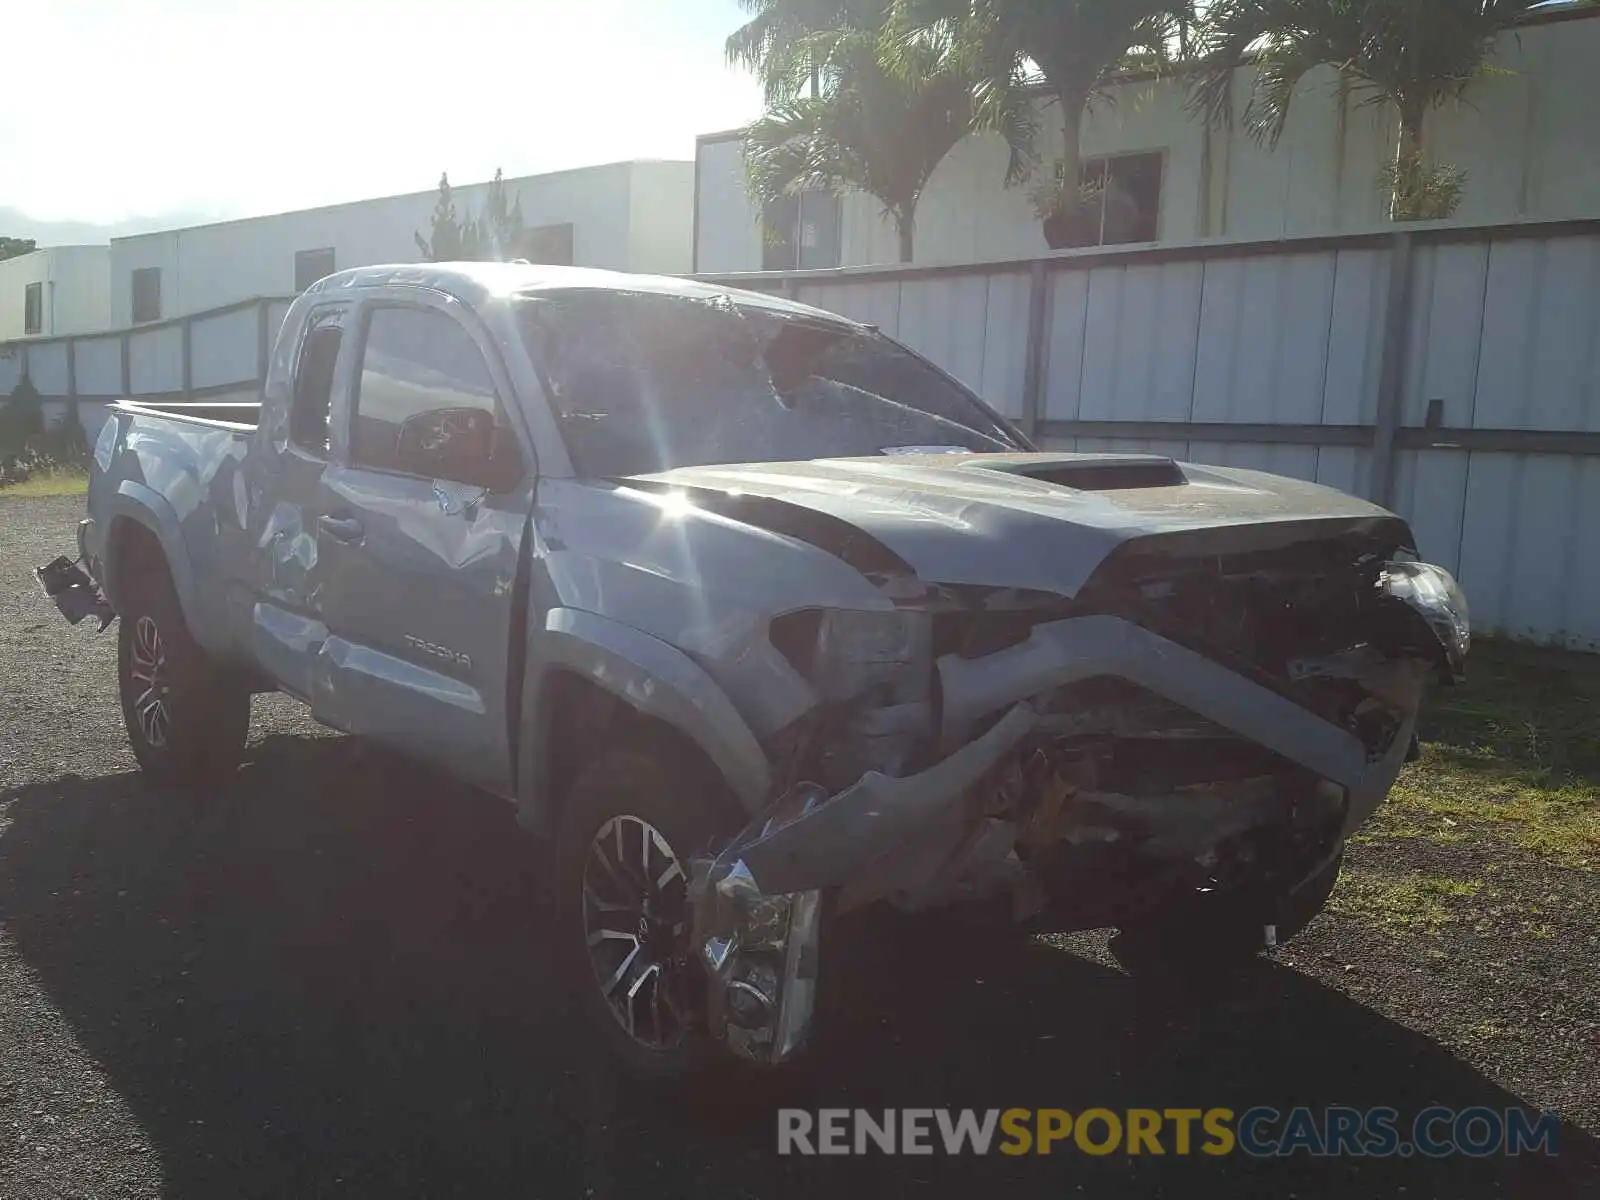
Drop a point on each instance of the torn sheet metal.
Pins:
(758, 905)
(829, 844)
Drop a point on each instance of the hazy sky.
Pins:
(239, 107)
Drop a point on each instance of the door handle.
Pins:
(343, 529)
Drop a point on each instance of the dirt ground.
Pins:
(333, 978)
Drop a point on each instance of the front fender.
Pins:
(649, 675)
(145, 506)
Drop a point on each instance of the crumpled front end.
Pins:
(1184, 724)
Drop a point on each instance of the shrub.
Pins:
(21, 418)
(28, 448)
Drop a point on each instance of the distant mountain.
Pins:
(15, 223)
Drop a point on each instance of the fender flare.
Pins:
(650, 676)
(145, 506)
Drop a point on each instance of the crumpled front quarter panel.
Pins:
(697, 581)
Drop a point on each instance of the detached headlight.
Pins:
(1437, 598)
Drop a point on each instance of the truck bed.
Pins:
(233, 415)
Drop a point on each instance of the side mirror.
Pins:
(449, 443)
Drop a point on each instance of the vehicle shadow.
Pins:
(333, 977)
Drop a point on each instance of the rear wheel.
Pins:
(631, 823)
(187, 719)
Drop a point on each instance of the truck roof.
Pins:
(479, 283)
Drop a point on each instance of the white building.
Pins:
(633, 216)
(1525, 134)
(61, 290)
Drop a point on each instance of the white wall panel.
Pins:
(1064, 345)
(223, 348)
(276, 312)
(47, 367)
(1215, 383)
(155, 360)
(1344, 467)
(945, 318)
(871, 303)
(1355, 337)
(1005, 340)
(727, 233)
(99, 366)
(1446, 330)
(1531, 568)
(1177, 333)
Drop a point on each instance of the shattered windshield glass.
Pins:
(646, 382)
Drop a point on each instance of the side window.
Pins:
(427, 404)
(313, 381)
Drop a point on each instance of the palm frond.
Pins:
(1279, 70)
(879, 131)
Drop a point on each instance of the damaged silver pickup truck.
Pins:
(760, 619)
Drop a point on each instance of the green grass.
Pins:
(1510, 765)
(52, 483)
(1513, 756)
(1401, 901)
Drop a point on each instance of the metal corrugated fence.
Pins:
(218, 356)
(1449, 372)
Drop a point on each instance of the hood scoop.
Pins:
(1091, 472)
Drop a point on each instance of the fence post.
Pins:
(1033, 369)
(791, 288)
(263, 310)
(1391, 370)
(186, 366)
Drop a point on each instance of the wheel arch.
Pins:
(589, 680)
(142, 531)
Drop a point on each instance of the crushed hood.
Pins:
(1037, 521)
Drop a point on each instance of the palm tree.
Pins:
(1413, 54)
(872, 129)
(787, 43)
(1069, 47)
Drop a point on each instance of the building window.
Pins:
(801, 232)
(551, 244)
(33, 308)
(1127, 207)
(311, 265)
(146, 294)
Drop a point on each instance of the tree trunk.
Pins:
(1065, 227)
(904, 227)
(1407, 153)
(1072, 145)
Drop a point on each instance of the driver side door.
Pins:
(424, 512)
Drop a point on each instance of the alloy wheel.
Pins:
(636, 928)
(149, 670)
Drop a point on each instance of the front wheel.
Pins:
(187, 720)
(630, 825)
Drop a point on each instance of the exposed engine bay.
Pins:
(1184, 724)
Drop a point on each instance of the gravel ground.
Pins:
(332, 979)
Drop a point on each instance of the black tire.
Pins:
(187, 718)
(648, 781)
(1201, 941)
